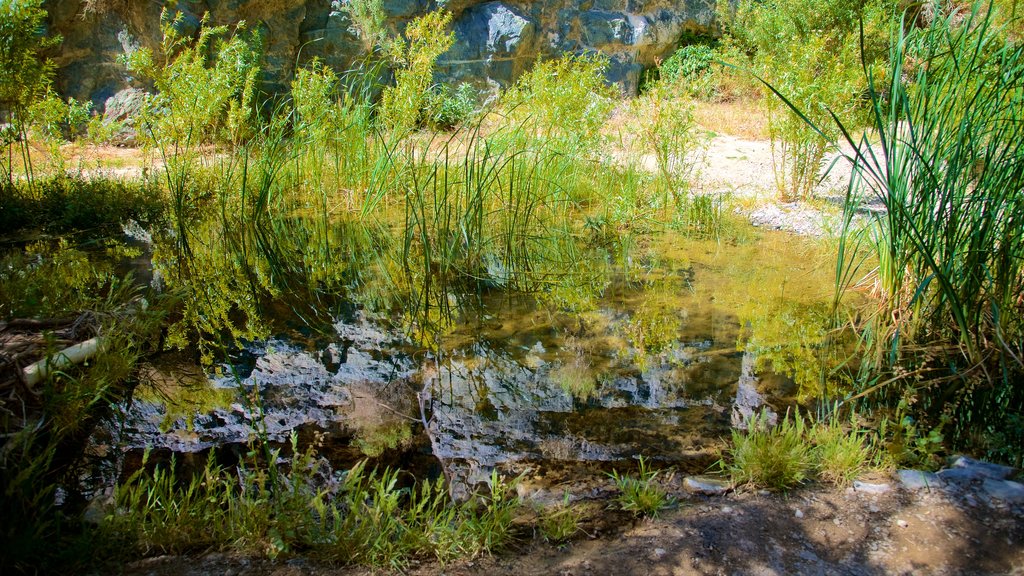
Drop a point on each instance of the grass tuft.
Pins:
(640, 494)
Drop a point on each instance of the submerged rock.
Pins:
(295, 388)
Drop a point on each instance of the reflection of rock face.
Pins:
(296, 390)
(492, 407)
(748, 400)
(495, 41)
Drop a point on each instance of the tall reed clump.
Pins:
(947, 337)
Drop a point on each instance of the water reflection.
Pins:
(659, 362)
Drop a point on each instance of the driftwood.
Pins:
(24, 342)
(38, 371)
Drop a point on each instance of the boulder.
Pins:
(919, 480)
(979, 469)
(1006, 490)
(122, 109)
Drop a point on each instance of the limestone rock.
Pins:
(123, 108)
(496, 41)
(919, 480)
(706, 485)
(1006, 490)
(979, 469)
(869, 488)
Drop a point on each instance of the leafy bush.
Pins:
(564, 101)
(405, 105)
(808, 50)
(452, 107)
(25, 76)
(206, 87)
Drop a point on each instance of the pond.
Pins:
(673, 348)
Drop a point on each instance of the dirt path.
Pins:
(810, 531)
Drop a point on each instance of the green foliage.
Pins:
(366, 518)
(452, 108)
(641, 494)
(667, 131)
(56, 120)
(788, 454)
(689, 71)
(73, 203)
(809, 51)
(52, 280)
(206, 86)
(840, 454)
(563, 101)
(369, 17)
(776, 458)
(946, 338)
(559, 523)
(25, 76)
(405, 105)
(43, 443)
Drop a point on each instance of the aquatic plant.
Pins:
(947, 334)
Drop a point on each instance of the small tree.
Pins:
(25, 76)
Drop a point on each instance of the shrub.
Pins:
(451, 108)
(25, 76)
(563, 101)
(405, 105)
(808, 50)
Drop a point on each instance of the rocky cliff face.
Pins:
(494, 41)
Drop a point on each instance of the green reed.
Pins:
(949, 248)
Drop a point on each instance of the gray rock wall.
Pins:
(494, 41)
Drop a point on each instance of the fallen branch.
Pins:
(38, 371)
